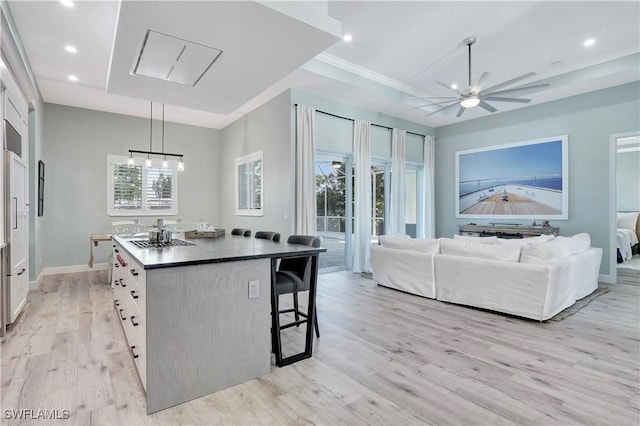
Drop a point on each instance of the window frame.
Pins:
(113, 160)
(250, 188)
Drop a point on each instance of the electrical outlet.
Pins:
(254, 289)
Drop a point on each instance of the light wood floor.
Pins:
(384, 357)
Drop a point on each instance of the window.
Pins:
(249, 185)
(141, 190)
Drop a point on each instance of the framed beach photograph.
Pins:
(522, 180)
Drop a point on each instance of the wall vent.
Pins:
(174, 59)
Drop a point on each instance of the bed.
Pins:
(627, 235)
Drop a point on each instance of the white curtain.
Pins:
(305, 171)
(396, 224)
(362, 198)
(427, 222)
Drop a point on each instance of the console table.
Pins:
(506, 230)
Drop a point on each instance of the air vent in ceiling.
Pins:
(174, 59)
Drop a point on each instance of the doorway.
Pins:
(625, 199)
(334, 210)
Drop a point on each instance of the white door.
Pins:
(19, 242)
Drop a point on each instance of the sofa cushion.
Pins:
(481, 240)
(547, 252)
(485, 251)
(424, 245)
(524, 241)
(578, 243)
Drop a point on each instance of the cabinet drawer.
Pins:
(140, 360)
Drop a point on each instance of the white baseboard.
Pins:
(608, 279)
(33, 285)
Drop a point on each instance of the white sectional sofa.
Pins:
(533, 277)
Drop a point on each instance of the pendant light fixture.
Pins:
(148, 161)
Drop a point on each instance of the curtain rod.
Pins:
(373, 124)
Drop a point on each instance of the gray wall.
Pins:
(588, 119)
(267, 128)
(75, 145)
(628, 182)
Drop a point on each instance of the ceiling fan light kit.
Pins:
(476, 96)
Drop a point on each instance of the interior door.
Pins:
(19, 235)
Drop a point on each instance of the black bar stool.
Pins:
(295, 274)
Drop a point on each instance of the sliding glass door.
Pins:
(334, 209)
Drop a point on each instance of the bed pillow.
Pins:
(627, 220)
(484, 251)
(481, 240)
(547, 252)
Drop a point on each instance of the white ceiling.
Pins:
(398, 50)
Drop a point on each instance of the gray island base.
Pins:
(188, 318)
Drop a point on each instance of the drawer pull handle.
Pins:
(122, 317)
(133, 294)
(133, 354)
(116, 265)
(116, 250)
(116, 303)
(133, 321)
(134, 273)
(122, 283)
(116, 282)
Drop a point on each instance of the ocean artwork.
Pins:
(524, 180)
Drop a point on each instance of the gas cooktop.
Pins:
(174, 243)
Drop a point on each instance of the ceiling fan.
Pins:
(475, 95)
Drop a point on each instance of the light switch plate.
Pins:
(254, 289)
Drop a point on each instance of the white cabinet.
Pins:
(129, 296)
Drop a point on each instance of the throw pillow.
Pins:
(483, 251)
(481, 240)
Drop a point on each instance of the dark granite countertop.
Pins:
(228, 248)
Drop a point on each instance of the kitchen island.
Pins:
(197, 316)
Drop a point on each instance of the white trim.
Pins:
(608, 279)
(369, 74)
(70, 269)
(613, 190)
(248, 159)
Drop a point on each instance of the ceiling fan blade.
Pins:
(508, 83)
(486, 106)
(515, 89)
(438, 103)
(441, 109)
(426, 98)
(478, 85)
(448, 86)
(460, 111)
(501, 99)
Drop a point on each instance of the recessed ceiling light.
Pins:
(72, 78)
(589, 42)
(67, 3)
(71, 49)
(347, 37)
(454, 86)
